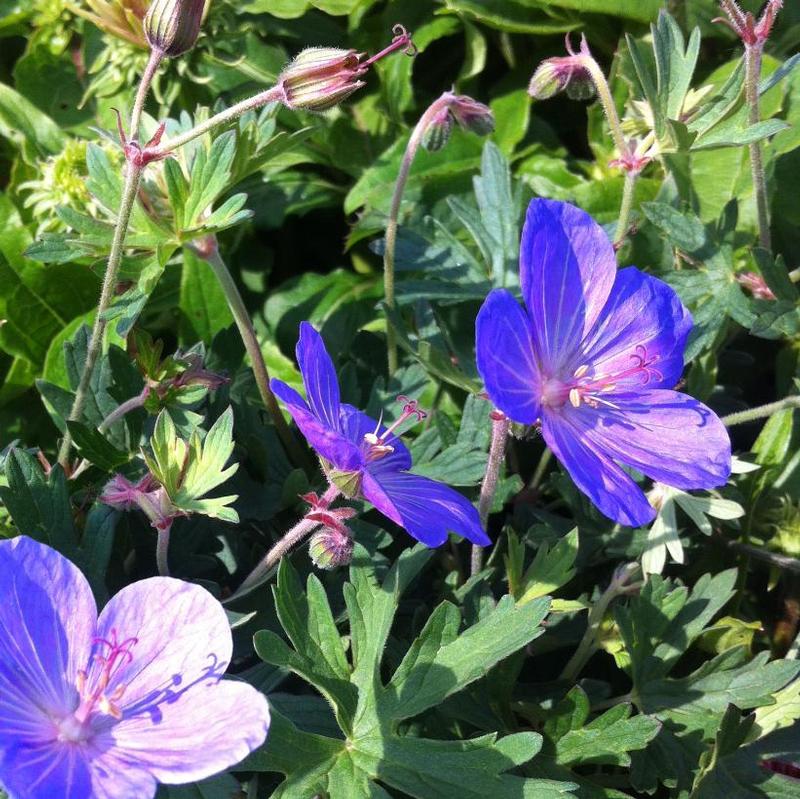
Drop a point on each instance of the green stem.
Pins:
(271, 95)
(761, 412)
(541, 468)
(589, 643)
(130, 189)
(394, 213)
(162, 551)
(253, 348)
(628, 191)
(607, 102)
(752, 60)
(123, 410)
(285, 544)
(153, 63)
(129, 192)
(501, 424)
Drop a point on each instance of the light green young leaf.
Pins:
(551, 568)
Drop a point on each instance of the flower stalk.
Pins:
(501, 425)
(432, 131)
(590, 642)
(754, 34)
(129, 192)
(761, 412)
(209, 252)
(752, 57)
(287, 542)
(417, 135)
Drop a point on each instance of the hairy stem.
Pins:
(131, 187)
(607, 102)
(162, 551)
(501, 424)
(253, 348)
(761, 412)
(123, 410)
(156, 56)
(589, 643)
(628, 192)
(752, 60)
(132, 179)
(394, 213)
(285, 544)
(271, 95)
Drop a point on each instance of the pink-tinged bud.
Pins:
(472, 115)
(438, 130)
(330, 548)
(197, 375)
(171, 27)
(564, 73)
(122, 494)
(319, 78)
(756, 285)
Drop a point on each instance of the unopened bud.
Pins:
(330, 548)
(172, 26)
(564, 73)
(319, 78)
(437, 133)
(472, 115)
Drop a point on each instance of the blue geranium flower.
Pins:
(594, 360)
(364, 458)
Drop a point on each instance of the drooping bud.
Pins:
(172, 26)
(319, 78)
(472, 115)
(564, 73)
(438, 130)
(331, 547)
(438, 119)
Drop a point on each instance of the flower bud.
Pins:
(172, 26)
(330, 548)
(437, 133)
(564, 73)
(472, 115)
(319, 78)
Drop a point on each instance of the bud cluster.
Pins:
(449, 108)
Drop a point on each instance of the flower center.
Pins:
(376, 444)
(585, 388)
(95, 686)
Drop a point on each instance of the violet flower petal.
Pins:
(47, 619)
(666, 435)
(50, 771)
(327, 441)
(427, 509)
(567, 269)
(319, 376)
(506, 359)
(173, 706)
(643, 318)
(596, 475)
